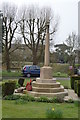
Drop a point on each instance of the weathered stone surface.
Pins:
(46, 85)
(48, 90)
(58, 94)
(46, 62)
(67, 98)
(46, 73)
(39, 80)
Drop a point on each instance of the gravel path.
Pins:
(57, 78)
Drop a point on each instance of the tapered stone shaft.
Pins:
(46, 63)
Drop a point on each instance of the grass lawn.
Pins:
(59, 74)
(36, 109)
(18, 73)
(11, 74)
(0, 108)
(65, 83)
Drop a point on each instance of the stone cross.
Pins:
(46, 63)
(46, 70)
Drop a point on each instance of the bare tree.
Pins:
(33, 29)
(78, 48)
(72, 44)
(10, 25)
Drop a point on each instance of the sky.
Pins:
(67, 10)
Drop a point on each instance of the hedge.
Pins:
(78, 88)
(8, 88)
(75, 84)
(73, 79)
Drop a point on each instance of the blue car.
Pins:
(31, 70)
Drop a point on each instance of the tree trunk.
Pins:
(7, 60)
(35, 60)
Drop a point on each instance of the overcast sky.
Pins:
(67, 10)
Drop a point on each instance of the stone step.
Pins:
(46, 85)
(38, 80)
(48, 90)
(50, 95)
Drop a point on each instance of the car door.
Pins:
(37, 70)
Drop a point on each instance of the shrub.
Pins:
(38, 99)
(53, 100)
(20, 101)
(3, 89)
(58, 73)
(72, 82)
(78, 88)
(66, 87)
(49, 100)
(70, 101)
(73, 79)
(43, 99)
(12, 97)
(30, 98)
(52, 113)
(8, 88)
(56, 100)
(17, 86)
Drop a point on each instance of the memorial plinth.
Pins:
(46, 72)
(46, 85)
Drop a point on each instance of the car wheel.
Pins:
(28, 75)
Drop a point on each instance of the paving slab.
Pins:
(72, 95)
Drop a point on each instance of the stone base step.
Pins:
(48, 90)
(50, 95)
(38, 80)
(46, 85)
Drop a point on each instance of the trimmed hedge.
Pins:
(73, 79)
(8, 88)
(75, 84)
(72, 82)
(78, 88)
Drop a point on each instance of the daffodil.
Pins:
(52, 109)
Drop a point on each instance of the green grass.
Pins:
(11, 74)
(36, 109)
(18, 73)
(0, 109)
(65, 83)
(59, 74)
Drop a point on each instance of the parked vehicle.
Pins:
(31, 70)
